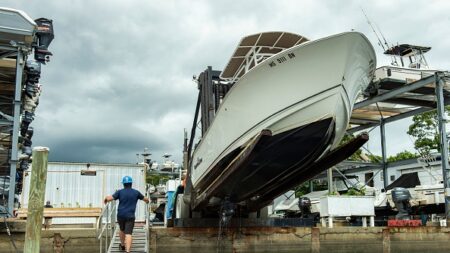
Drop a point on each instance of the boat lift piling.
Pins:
(383, 151)
(443, 119)
(15, 130)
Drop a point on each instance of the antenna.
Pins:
(373, 29)
(382, 36)
(393, 58)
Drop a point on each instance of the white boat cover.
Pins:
(17, 26)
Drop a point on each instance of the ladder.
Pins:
(140, 243)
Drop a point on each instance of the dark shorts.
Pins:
(126, 225)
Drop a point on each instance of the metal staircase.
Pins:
(139, 241)
(108, 232)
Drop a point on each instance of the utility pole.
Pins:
(36, 200)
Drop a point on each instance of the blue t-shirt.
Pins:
(128, 198)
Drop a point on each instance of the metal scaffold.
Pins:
(20, 37)
(396, 100)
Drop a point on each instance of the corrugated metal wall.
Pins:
(66, 187)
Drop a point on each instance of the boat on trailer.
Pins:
(283, 118)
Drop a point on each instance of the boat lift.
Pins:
(20, 36)
(398, 100)
(17, 37)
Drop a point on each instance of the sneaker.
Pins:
(121, 247)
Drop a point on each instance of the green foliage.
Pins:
(355, 156)
(304, 188)
(404, 155)
(425, 131)
(375, 158)
(356, 192)
(155, 179)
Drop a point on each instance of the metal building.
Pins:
(78, 185)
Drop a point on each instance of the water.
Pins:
(226, 213)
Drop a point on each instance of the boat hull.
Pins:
(296, 91)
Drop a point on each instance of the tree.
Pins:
(302, 189)
(404, 155)
(155, 179)
(355, 156)
(426, 132)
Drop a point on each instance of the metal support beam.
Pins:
(442, 120)
(5, 122)
(15, 132)
(362, 127)
(8, 48)
(383, 152)
(330, 180)
(7, 54)
(391, 119)
(407, 88)
(345, 178)
(363, 169)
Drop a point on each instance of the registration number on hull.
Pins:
(281, 59)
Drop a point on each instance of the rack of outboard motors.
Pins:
(24, 47)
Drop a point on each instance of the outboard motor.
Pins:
(45, 35)
(401, 197)
(304, 204)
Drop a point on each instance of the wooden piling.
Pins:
(36, 200)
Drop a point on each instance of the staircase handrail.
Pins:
(147, 227)
(106, 229)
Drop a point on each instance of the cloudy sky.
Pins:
(121, 75)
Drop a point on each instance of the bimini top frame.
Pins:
(255, 48)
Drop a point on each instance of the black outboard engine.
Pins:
(45, 35)
(401, 197)
(304, 204)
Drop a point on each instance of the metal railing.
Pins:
(147, 227)
(106, 226)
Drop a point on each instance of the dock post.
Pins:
(386, 240)
(315, 240)
(36, 200)
(442, 120)
(364, 221)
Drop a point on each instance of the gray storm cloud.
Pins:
(120, 77)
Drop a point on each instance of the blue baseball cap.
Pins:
(127, 180)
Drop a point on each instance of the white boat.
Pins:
(400, 69)
(289, 106)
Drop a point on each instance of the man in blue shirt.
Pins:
(128, 198)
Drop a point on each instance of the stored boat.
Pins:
(286, 112)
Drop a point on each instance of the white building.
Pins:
(78, 185)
